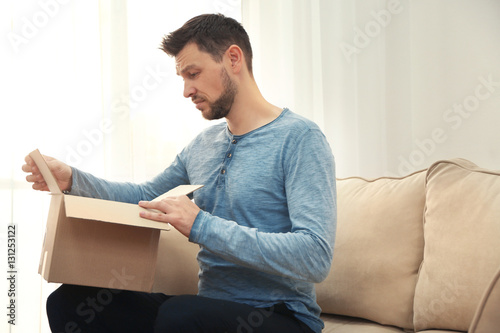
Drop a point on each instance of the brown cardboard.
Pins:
(99, 243)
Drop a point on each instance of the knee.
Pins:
(56, 301)
(62, 307)
(176, 313)
(62, 299)
(57, 309)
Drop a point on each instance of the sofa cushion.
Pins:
(378, 249)
(462, 237)
(440, 331)
(342, 324)
(487, 317)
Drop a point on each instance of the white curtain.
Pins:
(85, 82)
(51, 93)
(395, 85)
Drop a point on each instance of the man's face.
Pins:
(206, 82)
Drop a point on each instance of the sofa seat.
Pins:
(344, 324)
(439, 331)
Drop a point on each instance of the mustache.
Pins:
(197, 99)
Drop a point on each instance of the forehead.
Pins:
(190, 56)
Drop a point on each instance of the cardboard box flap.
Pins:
(179, 190)
(108, 211)
(46, 173)
(118, 212)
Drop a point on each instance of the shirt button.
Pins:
(223, 171)
(234, 141)
(229, 155)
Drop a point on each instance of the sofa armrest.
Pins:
(487, 316)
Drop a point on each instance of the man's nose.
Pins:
(189, 90)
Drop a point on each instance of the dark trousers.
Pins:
(77, 309)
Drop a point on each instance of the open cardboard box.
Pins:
(99, 243)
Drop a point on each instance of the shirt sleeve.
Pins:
(87, 185)
(303, 253)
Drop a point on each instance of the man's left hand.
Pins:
(180, 212)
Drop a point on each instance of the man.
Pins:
(265, 219)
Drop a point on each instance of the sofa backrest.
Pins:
(378, 249)
(462, 244)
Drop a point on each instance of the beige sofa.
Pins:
(420, 253)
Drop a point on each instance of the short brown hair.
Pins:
(213, 34)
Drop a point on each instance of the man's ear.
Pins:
(235, 57)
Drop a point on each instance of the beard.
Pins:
(221, 107)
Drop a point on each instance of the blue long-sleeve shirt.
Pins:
(267, 223)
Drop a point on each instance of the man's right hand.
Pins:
(61, 171)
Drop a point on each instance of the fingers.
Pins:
(156, 211)
(180, 212)
(40, 186)
(29, 160)
(159, 217)
(35, 177)
(38, 182)
(28, 167)
(159, 205)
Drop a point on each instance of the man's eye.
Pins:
(193, 75)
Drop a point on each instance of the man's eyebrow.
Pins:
(185, 69)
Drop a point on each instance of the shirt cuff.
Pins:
(197, 228)
(74, 183)
(78, 182)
